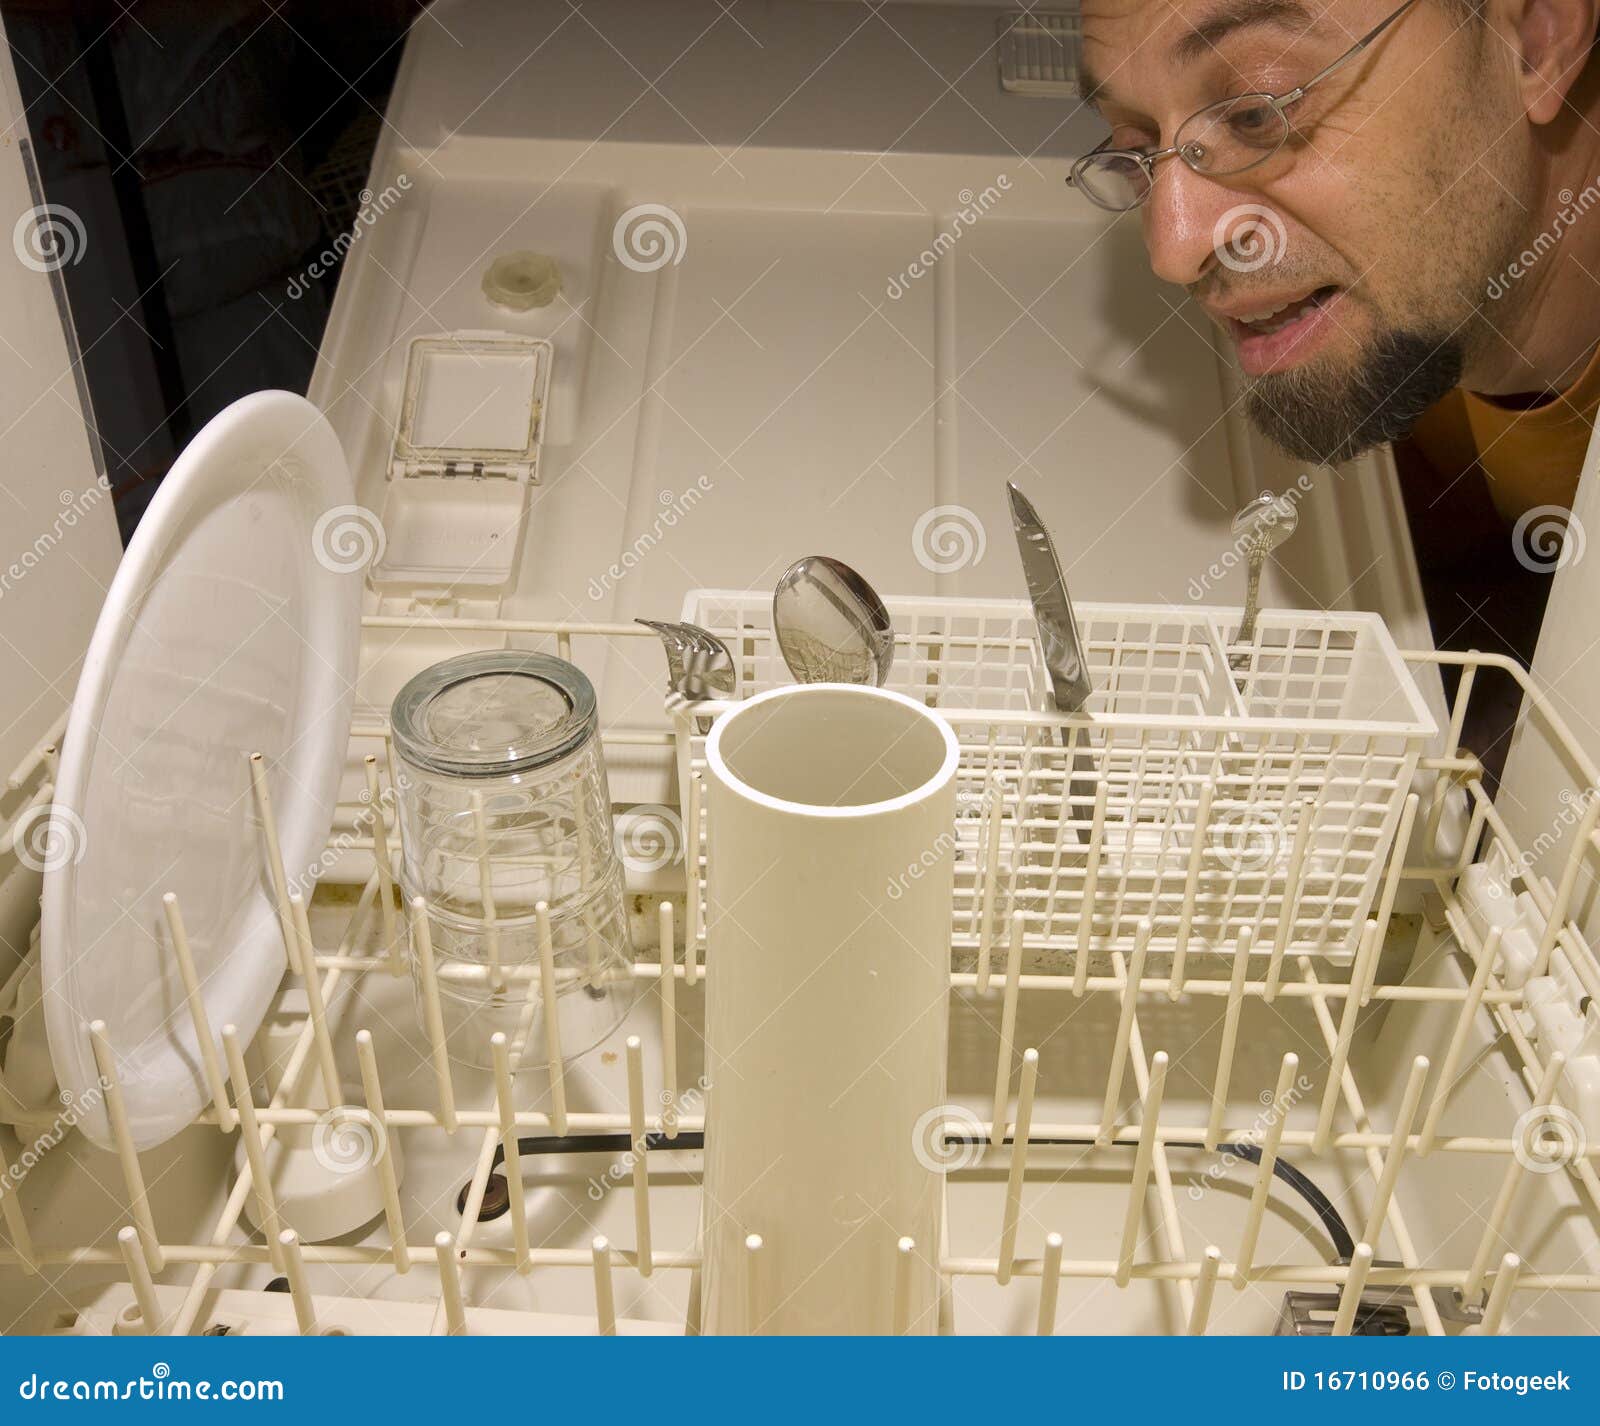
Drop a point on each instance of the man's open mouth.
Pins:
(1277, 331)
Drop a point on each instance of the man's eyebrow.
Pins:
(1202, 36)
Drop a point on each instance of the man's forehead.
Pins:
(1178, 32)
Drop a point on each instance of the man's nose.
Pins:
(1185, 221)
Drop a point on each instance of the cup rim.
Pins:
(717, 766)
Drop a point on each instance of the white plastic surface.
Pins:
(231, 628)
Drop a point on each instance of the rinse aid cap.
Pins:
(522, 281)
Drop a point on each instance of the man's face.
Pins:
(1347, 269)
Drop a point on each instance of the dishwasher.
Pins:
(1260, 1007)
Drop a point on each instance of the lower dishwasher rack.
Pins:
(1120, 1147)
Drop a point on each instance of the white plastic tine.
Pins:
(455, 1311)
(991, 881)
(1291, 897)
(1223, 1078)
(216, 1081)
(1019, 1165)
(605, 1306)
(755, 1298)
(1500, 1290)
(513, 1156)
(1556, 922)
(327, 1062)
(433, 1012)
(1270, 1143)
(1008, 1026)
(132, 1176)
(1487, 957)
(139, 1279)
(1119, 1046)
(16, 1220)
(1366, 951)
(255, 1147)
(491, 926)
(1354, 1285)
(905, 1257)
(1091, 871)
(380, 853)
(1391, 885)
(1049, 1284)
(1148, 1131)
(372, 1089)
(1512, 1180)
(305, 1312)
(552, 1022)
(638, 1130)
(669, 1025)
(269, 834)
(1205, 1289)
(691, 871)
(1191, 887)
(1396, 1156)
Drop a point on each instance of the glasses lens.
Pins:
(1233, 135)
(1117, 181)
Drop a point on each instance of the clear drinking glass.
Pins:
(503, 805)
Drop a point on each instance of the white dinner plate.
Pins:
(232, 627)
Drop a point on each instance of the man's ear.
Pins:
(1552, 39)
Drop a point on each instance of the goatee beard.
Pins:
(1328, 418)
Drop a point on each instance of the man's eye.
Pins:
(1252, 121)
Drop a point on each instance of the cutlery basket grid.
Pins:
(1218, 801)
(1389, 1133)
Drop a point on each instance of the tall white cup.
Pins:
(830, 825)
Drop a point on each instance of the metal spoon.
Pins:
(1262, 525)
(831, 624)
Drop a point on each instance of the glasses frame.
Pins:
(1147, 159)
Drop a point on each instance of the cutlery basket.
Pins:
(1226, 795)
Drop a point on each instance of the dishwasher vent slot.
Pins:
(1039, 53)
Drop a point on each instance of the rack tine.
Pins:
(754, 1296)
(605, 1308)
(905, 1255)
(1205, 1289)
(1366, 952)
(1008, 1026)
(372, 1089)
(132, 1175)
(1396, 1157)
(991, 879)
(1391, 885)
(1354, 1285)
(638, 1129)
(16, 1220)
(691, 868)
(269, 833)
(215, 1080)
(255, 1147)
(455, 1312)
(1148, 1130)
(1500, 1290)
(1049, 1284)
(305, 1312)
(1230, 1037)
(1510, 1182)
(1265, 1170)
(1019, 1165)
(380, 852)
(513, 1156)
(1191, 886)
(1458, 1039)
(552, 1021)
(320, 1038)
(1091, 870)
(1556, 922)
(433, 1012)
(139, 1279)
(1119, 1046)
(669, 1025)
(1291, 897)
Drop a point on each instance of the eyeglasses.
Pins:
(1228, 137)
